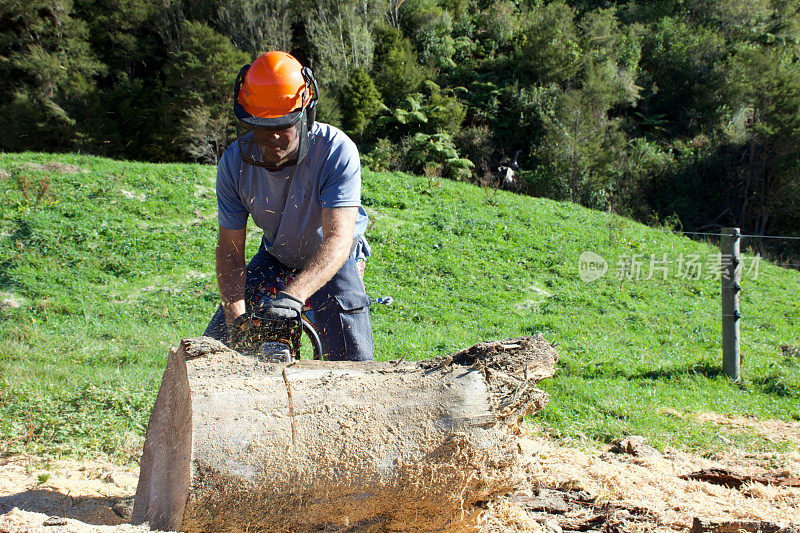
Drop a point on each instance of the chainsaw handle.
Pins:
(312, 335)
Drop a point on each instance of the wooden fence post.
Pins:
(731, 286)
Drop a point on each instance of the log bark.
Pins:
(701, 525)
(234, 443)
(735, 480)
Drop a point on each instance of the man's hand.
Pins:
(284, 306)
(237, 332)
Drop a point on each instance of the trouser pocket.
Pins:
(356, 326)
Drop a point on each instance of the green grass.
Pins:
(114, 265)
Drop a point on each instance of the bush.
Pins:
(544, 184)
(476, 143)
(360, 102)
(397, 72)
(437, 155)
(384, 156)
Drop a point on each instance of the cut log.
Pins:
(236, 444)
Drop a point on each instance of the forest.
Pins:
(679, 113)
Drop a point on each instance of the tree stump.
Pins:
(236, 444)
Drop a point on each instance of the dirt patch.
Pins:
(568, 487)
(201, 191)
(538, 296)
(9, 301)
(194, 274)
(772, 430)
(61, 168)
(133, 196)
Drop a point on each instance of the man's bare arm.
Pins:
(338, 224)
(231, 273)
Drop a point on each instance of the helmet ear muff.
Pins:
(311, 109)
(237, 86)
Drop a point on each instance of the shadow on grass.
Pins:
(702, 369)
(7, 282)
(89, 509)
(776, 384)
(21, 234)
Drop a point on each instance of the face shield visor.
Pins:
(273, 146)
(276, 142)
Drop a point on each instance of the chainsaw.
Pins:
(274, 340)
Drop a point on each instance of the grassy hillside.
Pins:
(111, 263)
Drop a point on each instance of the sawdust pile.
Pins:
(18, 521)
(648, 489)
(42, 496)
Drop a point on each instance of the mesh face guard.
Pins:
(276, 142)
(273, 148)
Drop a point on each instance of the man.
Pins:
(300, 181)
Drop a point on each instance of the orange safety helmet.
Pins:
(275, 92)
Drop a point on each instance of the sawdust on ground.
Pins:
(646, 493)
(65, 495)
(652, 485)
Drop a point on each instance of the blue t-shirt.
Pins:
(287, 204)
